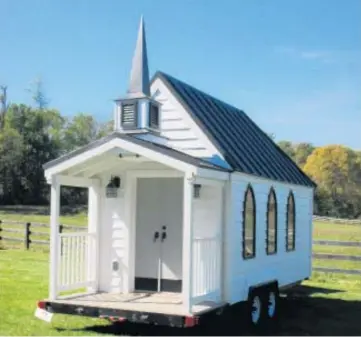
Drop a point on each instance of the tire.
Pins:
(272, 306)
(256, 310)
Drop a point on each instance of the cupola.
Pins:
(137, 112)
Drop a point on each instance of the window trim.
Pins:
(291, 197)
(133, 125)
(152, 125)
(272, 192)
(249, 188)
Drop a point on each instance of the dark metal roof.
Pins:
(150, 145)
(242, 143)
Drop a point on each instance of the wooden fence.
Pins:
(337, 257)
(319, 218)
(28, 233)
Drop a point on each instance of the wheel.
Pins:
(256, 309)
(272, 306)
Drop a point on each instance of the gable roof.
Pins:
(199, 162)
(243, 144)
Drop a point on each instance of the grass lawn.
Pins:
(23, 281)
(326, 304)
(80, 219)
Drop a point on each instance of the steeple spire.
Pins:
(139, 76)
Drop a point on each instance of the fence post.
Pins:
(0, 228)
(27, 235)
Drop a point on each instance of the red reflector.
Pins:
(41, 305)
(190, 321)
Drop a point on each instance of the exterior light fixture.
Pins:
(112, 187)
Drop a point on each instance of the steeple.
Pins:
(137, 113)
(139, 75)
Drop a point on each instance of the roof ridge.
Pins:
(199, 90)
(292, 173)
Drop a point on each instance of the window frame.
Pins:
(248, 257)
(272, 192)
(291, 197)
(151, 107)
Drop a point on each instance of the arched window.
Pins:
(271, 231)
(249, 224)
(290, 223)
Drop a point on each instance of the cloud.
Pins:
(324, 56)
(339, 104)
(318, 55)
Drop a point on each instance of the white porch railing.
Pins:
(76, 261)
(206, 269)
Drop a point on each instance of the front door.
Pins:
(158, 255)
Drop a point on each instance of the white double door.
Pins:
(158, 254)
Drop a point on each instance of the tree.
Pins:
(11, 154)
(287, 147)
(3, 105)
(301, 153)
(39, 146)
(337, 171)
(80, 131)
(38, 95)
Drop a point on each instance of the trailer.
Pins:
(193, 211)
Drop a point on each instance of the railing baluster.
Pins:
(74, 260)
(206, 267)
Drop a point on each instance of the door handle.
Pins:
(164, 236)
(156, 236)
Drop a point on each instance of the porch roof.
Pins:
(158, 148)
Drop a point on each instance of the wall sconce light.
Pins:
(112, 187)
(197, 191)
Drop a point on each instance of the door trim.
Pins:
(130, 203)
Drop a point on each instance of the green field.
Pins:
(326, 304)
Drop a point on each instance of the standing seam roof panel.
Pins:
(214, 126)
(275, 166)
(239, 139)
(245, 142)
(293, 171)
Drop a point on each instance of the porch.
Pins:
(156, 226)
(157, 303)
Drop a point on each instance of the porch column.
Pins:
(54, 237)
(93, 239)
(187, 268)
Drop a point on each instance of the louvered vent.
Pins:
(154, 116)
(129, 116)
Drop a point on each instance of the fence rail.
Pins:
(27, 236)
(319, 218)
(336, 257)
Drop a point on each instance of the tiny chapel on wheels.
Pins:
(192, 209)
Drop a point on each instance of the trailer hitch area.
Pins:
(43, 312)
(191, 321)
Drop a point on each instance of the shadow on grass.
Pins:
(301, 316)
(303, 290)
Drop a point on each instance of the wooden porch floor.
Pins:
(163, 303)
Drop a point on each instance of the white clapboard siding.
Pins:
(182, 132)
(263, 267)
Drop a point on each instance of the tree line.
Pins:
(32, 135)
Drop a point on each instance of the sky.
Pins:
(293, 66)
